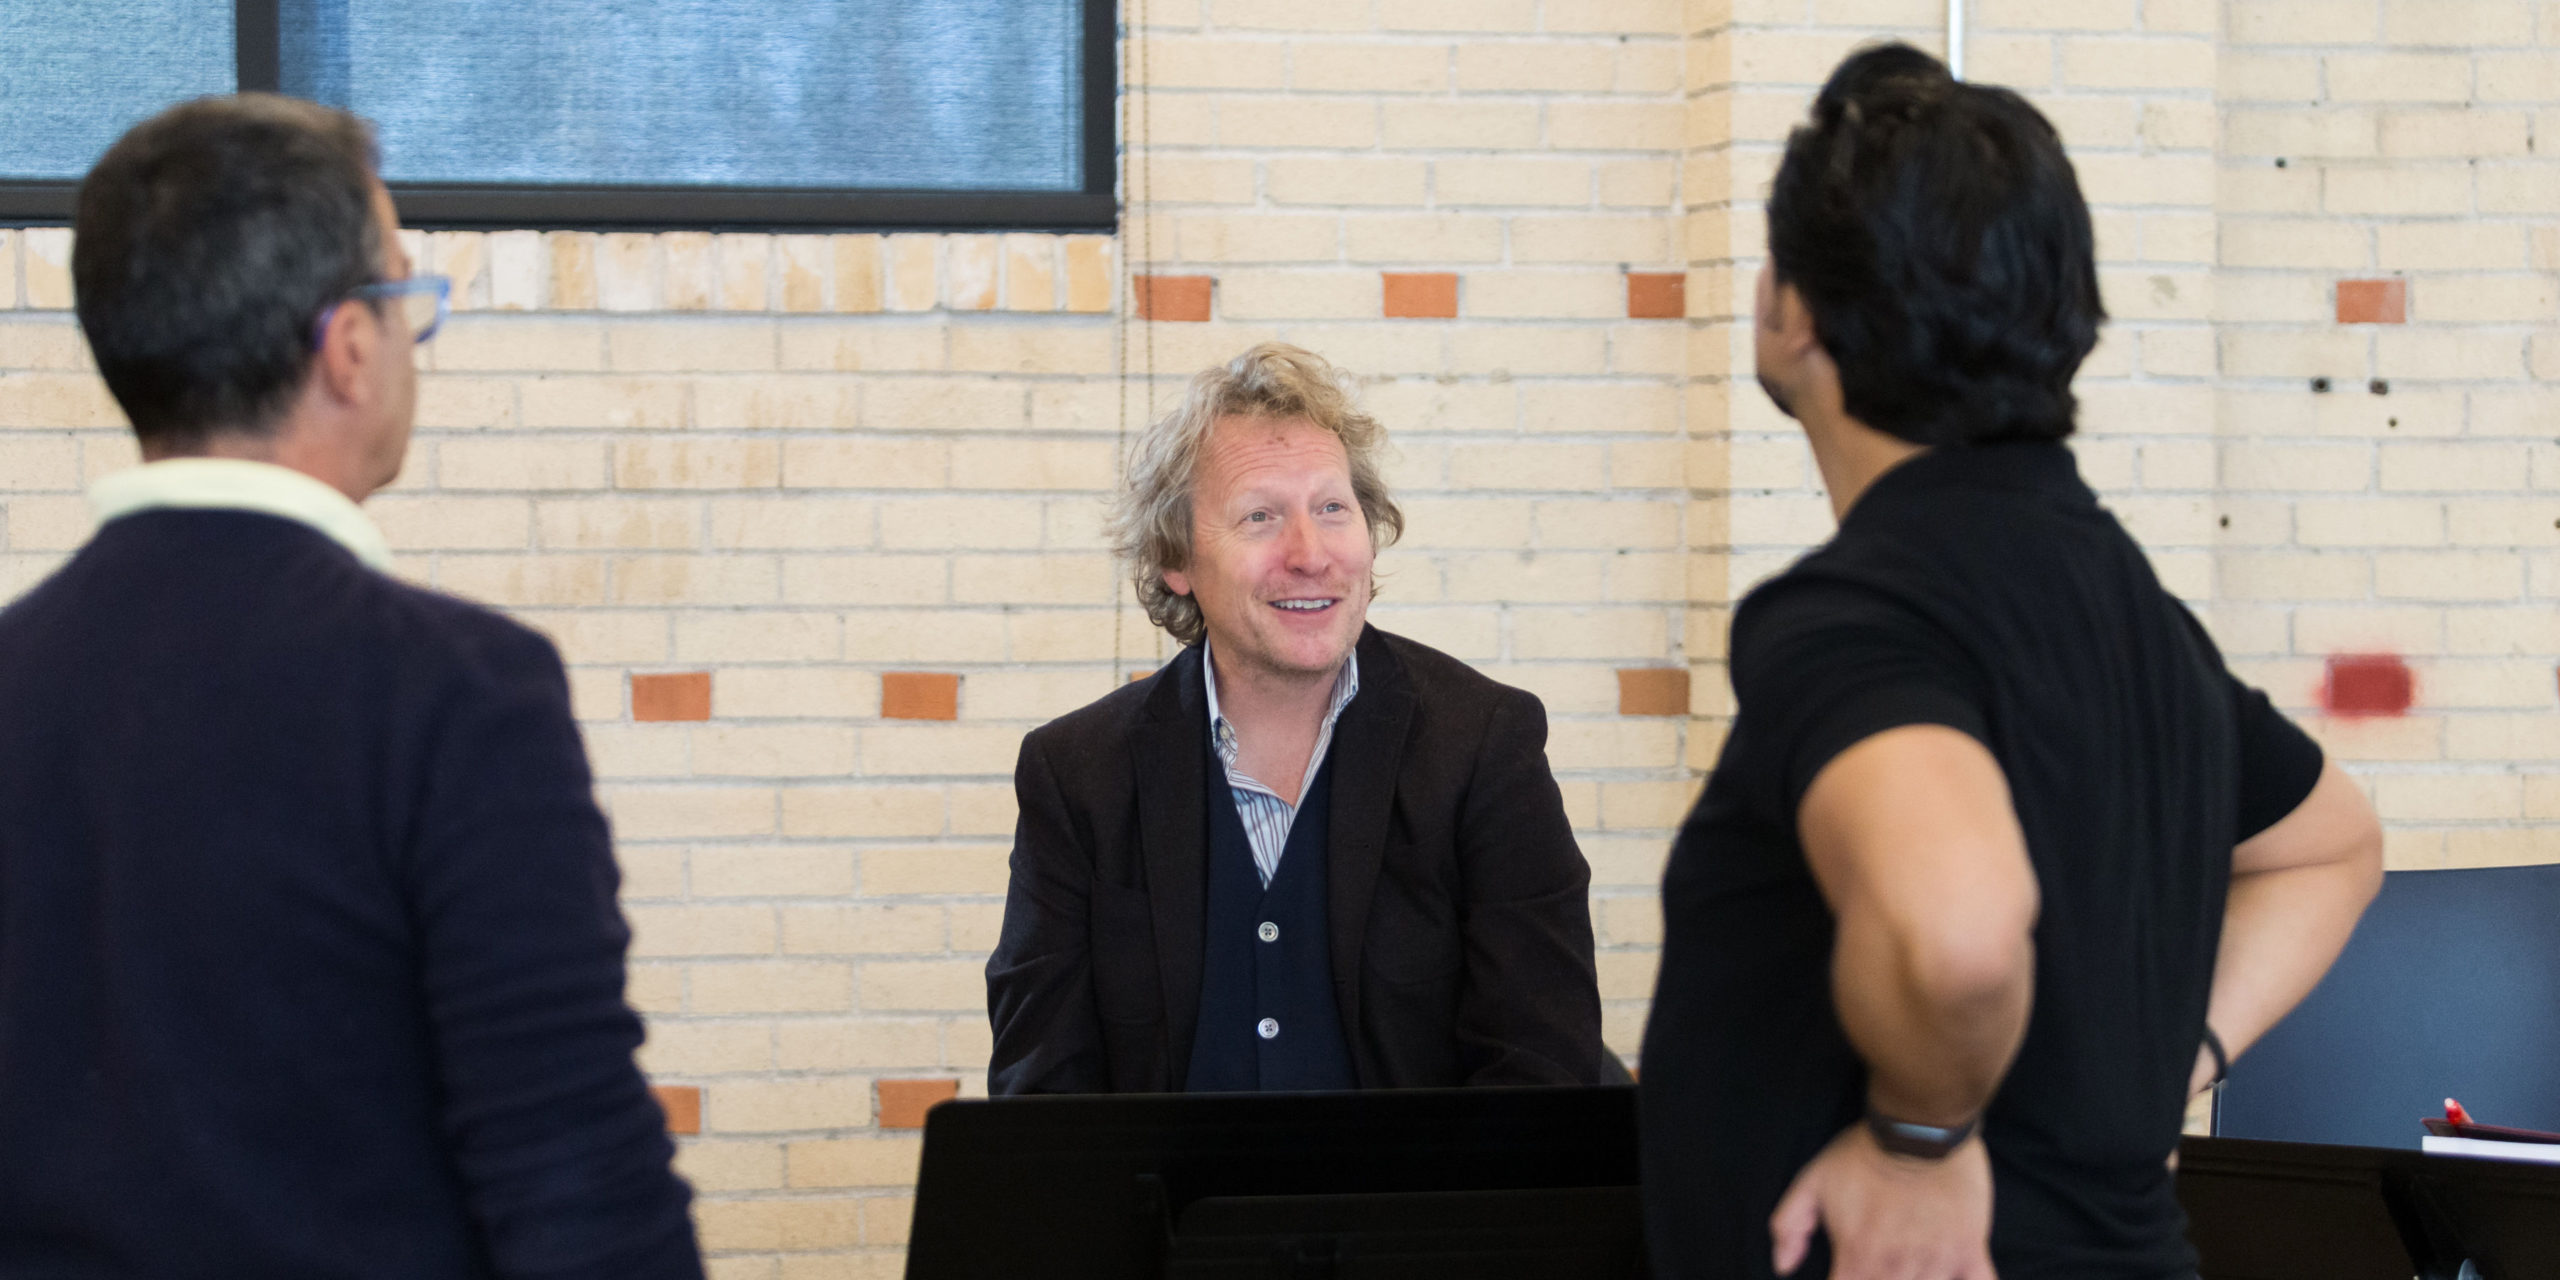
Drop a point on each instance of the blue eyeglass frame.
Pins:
(387, 290)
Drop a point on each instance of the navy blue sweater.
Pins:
(310, 963)
(1283, 981)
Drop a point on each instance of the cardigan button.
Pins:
(1269, 932)
(1268, 1028)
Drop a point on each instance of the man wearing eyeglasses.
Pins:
(310, 962)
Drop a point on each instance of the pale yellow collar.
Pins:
(239, 484)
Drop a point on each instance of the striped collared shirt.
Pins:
(1266, 816)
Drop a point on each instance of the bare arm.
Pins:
(1913, 840)
(1911, 836)
(2297, 890)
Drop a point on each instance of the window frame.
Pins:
(545, 207)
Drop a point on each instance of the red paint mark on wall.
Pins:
(2368, 684)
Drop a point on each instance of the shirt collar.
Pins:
(1346, 686)
(239, 484)
(2044, 468)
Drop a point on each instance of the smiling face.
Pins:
(1280, 552)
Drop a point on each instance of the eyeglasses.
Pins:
(424, 303)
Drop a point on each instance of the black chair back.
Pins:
(2450, 988)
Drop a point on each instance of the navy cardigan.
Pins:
(310, 962)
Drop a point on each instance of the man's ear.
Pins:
(1790, 321)
(1177, 582)
(350, 344)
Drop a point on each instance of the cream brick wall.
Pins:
(802, 463)
(2405, 510)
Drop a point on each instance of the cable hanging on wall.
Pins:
(1137, 191)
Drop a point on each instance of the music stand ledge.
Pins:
(1426, 1182)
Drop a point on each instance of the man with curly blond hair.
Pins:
(1306, 854)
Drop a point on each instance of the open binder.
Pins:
(2489, 1141)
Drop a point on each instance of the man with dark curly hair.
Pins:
(1999, 862)
(1306, 854)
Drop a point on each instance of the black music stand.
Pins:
(2320, 1211)
(1427, 1182)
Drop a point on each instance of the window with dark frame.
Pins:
(623, 114)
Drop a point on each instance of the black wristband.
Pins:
(1916, 1140)
(2221, 1060)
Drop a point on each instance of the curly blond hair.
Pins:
(1150, 524)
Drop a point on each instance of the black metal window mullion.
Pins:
(258, 33)
(1101, 102)
(497, 208)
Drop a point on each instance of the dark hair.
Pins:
(1936, 232)
(208, 241)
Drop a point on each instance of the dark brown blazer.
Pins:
(1461, 930)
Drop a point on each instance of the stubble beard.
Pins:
(1279, 657)
(1776, 397)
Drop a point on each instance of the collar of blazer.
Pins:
(1172, 749)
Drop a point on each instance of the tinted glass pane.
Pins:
(762, 93)
(74, 77)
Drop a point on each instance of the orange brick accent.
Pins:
(904, 1102)
(1173, 297)
(2373, 302)
(683, 1105)
(682, 695)
(920, 695)
(1657, 295)
(1423, 295)
(1653, 691)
